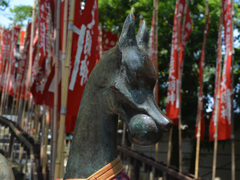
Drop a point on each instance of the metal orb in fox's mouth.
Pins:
(142, 128)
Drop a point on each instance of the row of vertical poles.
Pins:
(29, 77)
(6, 78)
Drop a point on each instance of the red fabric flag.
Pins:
(22, 36)
(85, 54)
(41, 73)
(22, 69)
(11, 85)
(12, 80)
(109, 40)
(153, 54)
(39, 83)
(225, 106)
(173, 96)
(200, 93)
(5, 54)
(49, 86)
(212, 124)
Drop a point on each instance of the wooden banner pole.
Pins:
(56, 104)
(43, 134)
(36, 116)
(169, 147)
(10, 69)
(233, 166)
(65, 79)
(44, 163)
(7, 77)
(200, 104)
(217, 107)
(29, 64)
(179, 87)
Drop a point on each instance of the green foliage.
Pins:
(20, 14)
(3, 4)
(112, 14)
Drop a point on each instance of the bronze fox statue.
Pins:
(121, 84)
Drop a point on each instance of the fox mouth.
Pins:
(145, 125)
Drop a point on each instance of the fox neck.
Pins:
(94, 142)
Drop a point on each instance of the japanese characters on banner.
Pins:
(225, 106)
(6, 44)
(212, 124)
(109, 40)
(85, 54)
(173, 96)
(39, 83)
(200, 92)
(22, 62)
(5, 53)
(12, 80)
(40, 71)
(44, 12)
(152, 52)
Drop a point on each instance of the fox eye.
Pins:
(133, 81)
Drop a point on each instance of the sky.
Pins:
(4, 21)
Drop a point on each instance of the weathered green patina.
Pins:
(121, 84)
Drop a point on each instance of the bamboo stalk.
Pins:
(169, 147)
(9, 69)
(28, 80)
(3, 80)
(65, 81)
(179, 88)
(55, 110)
(217, 108)
(36, 123)
(200, 103)
(7, 78)
(45, 142)
(13, 105)
(43, 134)
(233, 166)
(3, 91)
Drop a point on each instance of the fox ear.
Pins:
(143, 36)
(128, 36)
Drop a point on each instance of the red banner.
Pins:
(22, 63)
(174, 96)
(200, 93)
(225, 106)
(22, 35)
(84, 56)
(39, 83)
(12, 84)
(12, 80)
(40, 70)
(109, 40)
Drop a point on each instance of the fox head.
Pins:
(134, 86)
